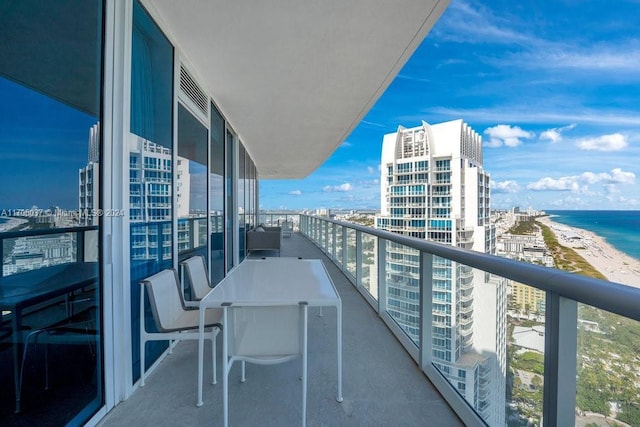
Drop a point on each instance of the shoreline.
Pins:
(615, 265)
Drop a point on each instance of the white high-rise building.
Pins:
(88, 181)
(433, 186)
(150, 195)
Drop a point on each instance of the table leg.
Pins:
(225, 368)
(200, 355)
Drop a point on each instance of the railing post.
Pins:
(382, 275)
(325, 229)
(1, 256)
(561, 333)
(192, 232)
(358, 258)
(160, 241)
(345, 249)
(426, 309)
(333, 242)
(79, 246)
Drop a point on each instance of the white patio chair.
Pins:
(264, 335)
(172, 319)
(194, 271)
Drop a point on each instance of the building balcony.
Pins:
(569, 298)
(271, 395)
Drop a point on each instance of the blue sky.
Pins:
(553, 87)
(43, 143)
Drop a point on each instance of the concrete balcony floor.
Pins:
(382, 385)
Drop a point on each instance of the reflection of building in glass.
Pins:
(150, 199)
(433, 187)
(34, 252)
(88, 178)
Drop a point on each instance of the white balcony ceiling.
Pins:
(292, 77)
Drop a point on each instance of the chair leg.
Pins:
(34, 334)
(142, 361)
(225, 369)
(214, 335)
(142, 335)
(243, 378)
(46, 366)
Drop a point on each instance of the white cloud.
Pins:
(621, 177)
(295, 193)
(555, 135)
(506, 135)
(567, 183)
(366, 122)
(612, 142)
(371, 170)
(621, 58)
(368, 183)
(505, 187)
(522, 113)
(580, 183)
(470, 23)
(337, 188)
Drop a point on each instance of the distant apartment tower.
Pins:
(433, 187)
(528, 299)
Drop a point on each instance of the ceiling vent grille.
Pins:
(193, 91)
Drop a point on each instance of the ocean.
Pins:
(621, 229)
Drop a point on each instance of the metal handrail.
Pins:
(614, 297)
(45, 231)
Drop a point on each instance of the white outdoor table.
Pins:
(272, 282)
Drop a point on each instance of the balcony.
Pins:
(271, 394)
(569, 299)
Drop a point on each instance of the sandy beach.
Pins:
(616, 266)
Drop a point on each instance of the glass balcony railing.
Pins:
(571, 358)
(50, 299)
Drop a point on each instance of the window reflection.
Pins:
(50, 212)
(191, 186)
(216, 195)
(151, 167)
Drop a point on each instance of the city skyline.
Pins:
(550, 87)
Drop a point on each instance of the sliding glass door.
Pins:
(191, 185)
(50, 212)
(151, 169)
(216, 195)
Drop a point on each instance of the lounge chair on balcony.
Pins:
(263, 238)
